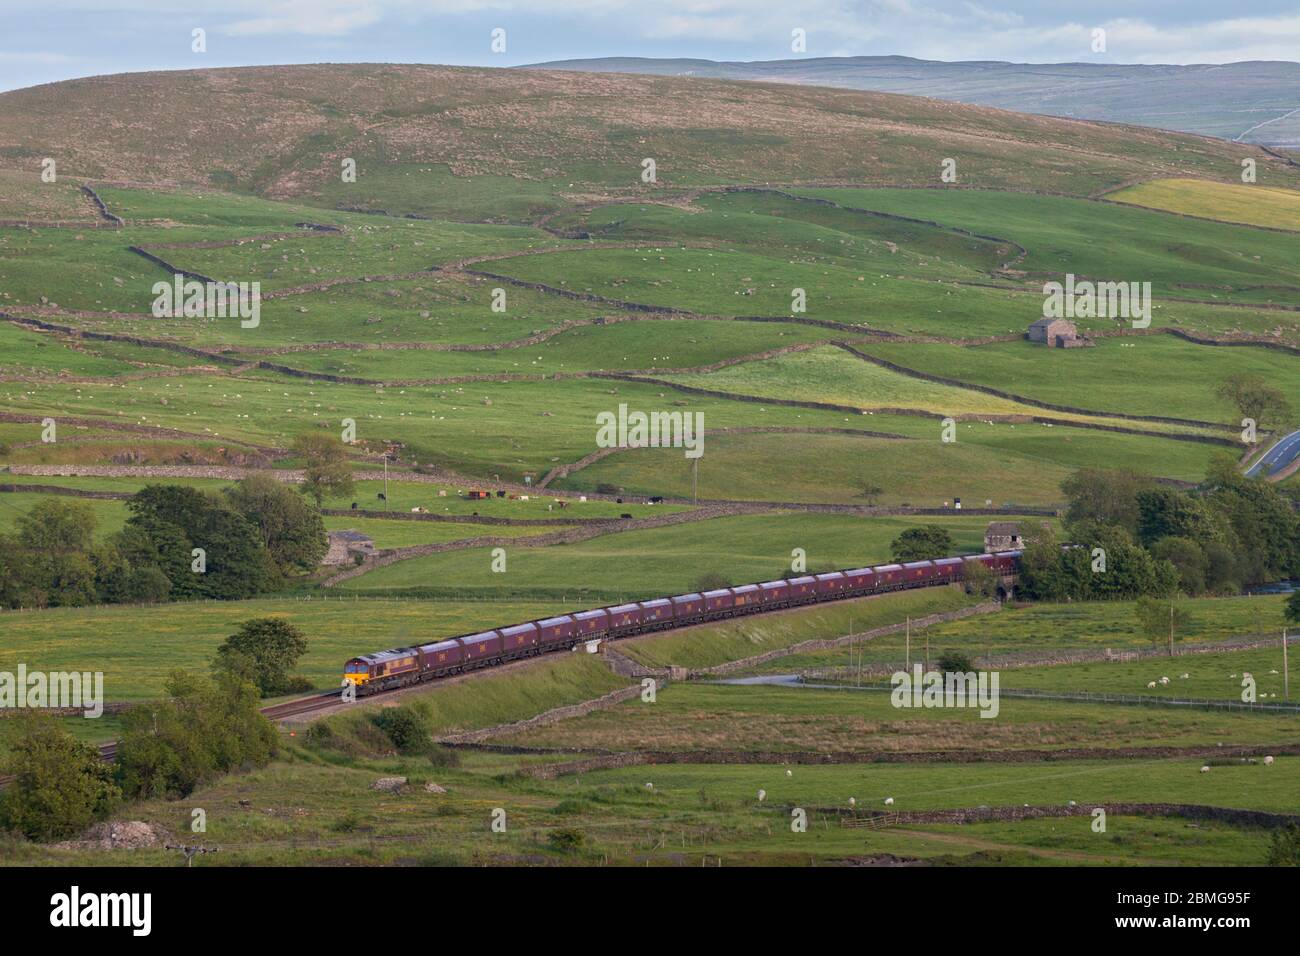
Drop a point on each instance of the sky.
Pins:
(46, 40)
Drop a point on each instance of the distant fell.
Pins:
(1250, 102)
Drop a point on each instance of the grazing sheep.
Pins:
(789, 773)
(1184, 676)
(1268, 761)
(1205, 769)
(853, 801)
(1151, 684)
(1071, 803)
(1164, 680)
(889, 801)
(649, 786)
(762, 795)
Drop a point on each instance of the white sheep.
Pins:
(889, 801)
(649, 786)
(762, 795)
(1205, 769)
(1268, 761)
(1164, 680)
(1151, 685)
(1071, 803)
(1184, 676)
(853, 801)
(789, 773)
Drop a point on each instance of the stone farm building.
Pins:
(346, 546)
(1058, 333)
(1002, 536)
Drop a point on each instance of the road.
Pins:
(1277, 457)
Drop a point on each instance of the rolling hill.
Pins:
(1252, 102)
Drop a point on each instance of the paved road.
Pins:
(1277, 457)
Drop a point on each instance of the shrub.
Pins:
(954, 662)
(404, 727)
(566, 840)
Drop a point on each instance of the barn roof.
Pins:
(1003, 527)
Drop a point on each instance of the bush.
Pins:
(440, 756)
(954, 662)
(711, 581)
(1285, 847)
(61, 785)
(566, 840)
(404, 727)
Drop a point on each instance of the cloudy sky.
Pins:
(45, 40)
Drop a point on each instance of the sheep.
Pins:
(1184, 676)
(1151, 685)
(1205, 769)
(1164, 680)
(889, 801)
(853, 801)
(1268, 761)
(1071, 803)
(789, 773)
(762, 795)
(649, 786)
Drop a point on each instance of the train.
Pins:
(404, 666)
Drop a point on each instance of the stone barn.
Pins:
(1002, 536)
(1057, 333)
(346, 546)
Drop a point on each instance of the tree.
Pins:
(169, 521)
(1254, 398)
(1292, 608)
(1161, 620)
(265, 648)
(871, 492)
(922, 543)
(59, 525)
(201, 729)
(328, 472)
(289, 529)
(60, 785)
(980, 579)
(404, 727)
(1284, 848)
(1105, 496)
(1166, 512)
(1188, 557)
(955, 662)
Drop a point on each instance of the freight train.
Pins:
(402, 666)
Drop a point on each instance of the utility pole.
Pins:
(695, 481)
(385, 480)
(1171, 627)
(1286, 671)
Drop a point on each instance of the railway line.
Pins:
(492, 648)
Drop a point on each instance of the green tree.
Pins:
(289, 529)
(266, 649)
(60, 525)
(1253, 397)
(922, 544)
(201, 729)
(60, 785)
(1161, 619)
(1188, 557)
(1166, 512)
(328, 471)
(1291, 610)
(1284, 848)
(1104, 496)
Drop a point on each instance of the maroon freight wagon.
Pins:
(774, 592)
(947, 569)
(624, 616)
(557, 630)
(592, 623)
(443, 654)
(658, 611)
(747, 595)
(718, 600)
(481, 646)
(802, 589)
(520, 637)
(859, 579)
(888, 575)
(830, 584)
(686, 606)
